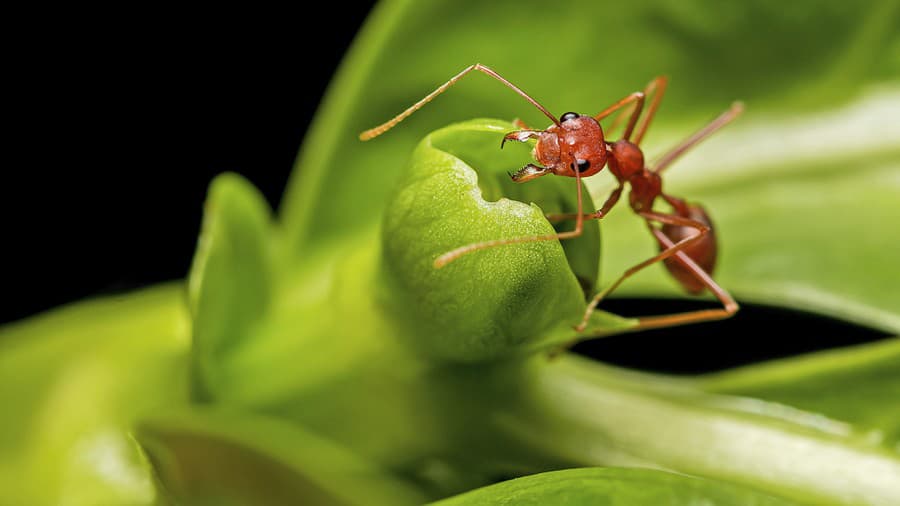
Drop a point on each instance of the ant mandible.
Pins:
(574, 146)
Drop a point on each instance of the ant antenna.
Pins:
(384, 127)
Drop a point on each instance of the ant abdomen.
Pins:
(702, 252)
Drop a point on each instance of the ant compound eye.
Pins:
(583, 165)
(567, 116)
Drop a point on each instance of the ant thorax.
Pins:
(575, 144)
(626, 160)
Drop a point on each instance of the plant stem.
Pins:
(598, 415)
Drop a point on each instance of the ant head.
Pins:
(574, 144)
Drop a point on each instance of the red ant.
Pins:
(574, 146)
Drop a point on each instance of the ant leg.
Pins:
(657, 88)
(599, 214)
(384, 127)
(671, 249)
(521, 125)
(618, 121)
(637, 99)
(729, 306)
(452, 255)
(725, 118)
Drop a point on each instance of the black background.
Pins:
(120, 124)
(118, 127)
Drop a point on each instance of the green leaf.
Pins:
(612, 486)
(74, 380)
(230, 284)
(492, 302)
(601, 415)
(790, 186)
(207, 456)
(807, 237)
(858, 388)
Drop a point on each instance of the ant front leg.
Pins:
(636, 101)
(671, 249)
(596, 215)
(656, 88)
(452, 255)
(521, 125)
(654, 92)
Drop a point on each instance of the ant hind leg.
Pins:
(670, 250)
(729, 305)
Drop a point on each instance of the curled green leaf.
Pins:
(488, 303)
